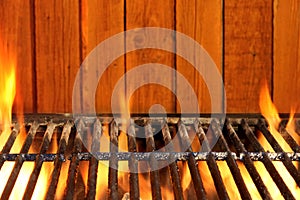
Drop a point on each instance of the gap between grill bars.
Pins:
(172, 172)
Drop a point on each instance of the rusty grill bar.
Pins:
(237, 141)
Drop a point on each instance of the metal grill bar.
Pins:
(275, 145)
(57, 162)
(173, 167)
(133, 164)
(8, 145)
(237, 176)
(230, 145)
(113, 162)
(198, 185)
(39, 161)
(286, 193)
(93, 165)
(19, 162)
(211, 162)
(158, 156)
(288, 138)
(247, 161)
(73, 169)
(154, 174)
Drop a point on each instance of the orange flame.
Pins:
(102, 183)
(291, 127)
(7, 93)
(205, 173)
(40, 190)
(7, 96)
(270, 113)
(227, 177)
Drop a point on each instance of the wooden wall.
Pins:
(250, 41)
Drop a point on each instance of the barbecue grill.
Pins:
(79, 141)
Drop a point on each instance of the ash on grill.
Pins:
(237, 142)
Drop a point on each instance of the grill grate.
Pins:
(236, 142)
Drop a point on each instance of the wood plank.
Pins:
(57, 53)
(202, 21)
(139, 14)
(101, 20)
(247, 52)
(16, 35)
(286, 54)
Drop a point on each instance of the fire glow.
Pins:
(269, 111)
(7, 97)
(8, 93)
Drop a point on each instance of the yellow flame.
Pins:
(207, 180)
(270, 113)
(291, 127)
(7, 93)
(102, 183)
(248, 180)
(230, 185)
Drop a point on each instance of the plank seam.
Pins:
(272, 51)
(33, 55)
(81, 50)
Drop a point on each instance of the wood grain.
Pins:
(102, 19)
(247, 52)
(16, 36)
(57, 53)
(201, 20)
(286, 54)
(143, 13)
(52, 38)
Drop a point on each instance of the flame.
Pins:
(167, 192)
(7, 93)
(145, 186)
(186, 177)
(205, 173)
(291, 127)
(230, 185)
(40, 190)
(102, 183)
(270, 113)
(7, 97)
(248, 180)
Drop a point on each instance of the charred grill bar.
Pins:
(267, 162)
(228, 129)
(236, 142)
